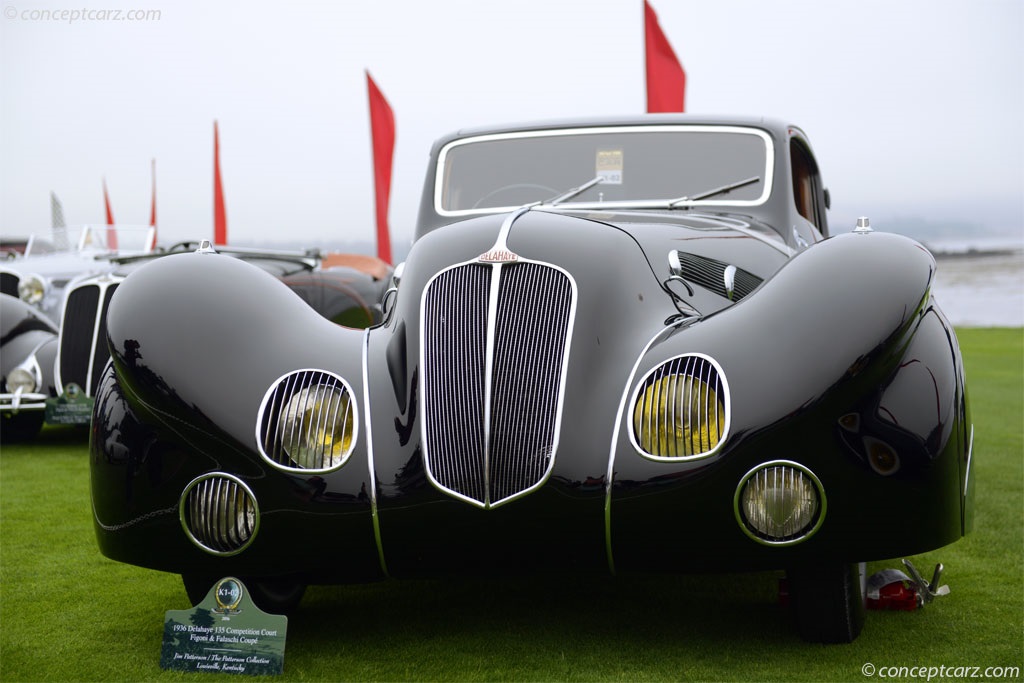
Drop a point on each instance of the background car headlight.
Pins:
(780, 503)
(308, 421)
(20, 378)
(680, 409)
(31, 289)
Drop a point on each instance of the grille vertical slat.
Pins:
(532, 318)
(83, 335)
(455, 328)
(76, 334)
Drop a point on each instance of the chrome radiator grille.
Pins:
(494, 364)
(83, 336)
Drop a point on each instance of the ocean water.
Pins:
(980, 282)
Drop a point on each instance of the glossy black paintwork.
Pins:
(832, 353)
(23, 329)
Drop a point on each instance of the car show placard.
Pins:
(72, 407)
(225, 633)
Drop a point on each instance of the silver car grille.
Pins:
(83, 335)
(495, 344)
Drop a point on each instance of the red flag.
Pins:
(220, 219)
(152, 210)
(111, 233)
(382, 129)
(666, 80)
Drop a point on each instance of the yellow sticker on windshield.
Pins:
(609, 166)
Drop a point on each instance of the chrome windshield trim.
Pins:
(599, 130)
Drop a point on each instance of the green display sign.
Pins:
(72, 407)
(225, 633)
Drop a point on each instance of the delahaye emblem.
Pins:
(498, 256)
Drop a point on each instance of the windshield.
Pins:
(640, 166)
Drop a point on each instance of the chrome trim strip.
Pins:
(725, 401)
(13, 402)
(598, 130)
(780, 463)
(369, 456)
(615, 439)
(970, 453)
(492, 328)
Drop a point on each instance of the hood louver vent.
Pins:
(711, 274)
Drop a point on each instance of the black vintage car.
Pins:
(616, 346)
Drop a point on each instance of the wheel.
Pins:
(523, 193)
(828, 602)
(274, 596)
(21, 427)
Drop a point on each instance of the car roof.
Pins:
(774, 126)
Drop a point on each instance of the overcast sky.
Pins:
(914, 107)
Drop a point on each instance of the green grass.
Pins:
(67, 613)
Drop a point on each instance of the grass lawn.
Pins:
(67, 613)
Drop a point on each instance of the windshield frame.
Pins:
(440, 168)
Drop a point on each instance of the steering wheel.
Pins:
(517, 187)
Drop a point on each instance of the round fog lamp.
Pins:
(779, 503)
(20, 378)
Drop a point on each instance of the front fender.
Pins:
(196, 342)
(827, 359)
(201, 337)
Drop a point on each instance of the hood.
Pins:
(621, 247)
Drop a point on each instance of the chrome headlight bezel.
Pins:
(302, 407)
(808, 481)
(713, 408)
(219, 514)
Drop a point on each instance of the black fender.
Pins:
(847, 327)
(205, 335)
(196, 342)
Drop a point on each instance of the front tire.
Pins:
(274, 596)
(828, 602)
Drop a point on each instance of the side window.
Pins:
(806, 185)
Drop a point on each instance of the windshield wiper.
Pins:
(571, 193)
(673, 203)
